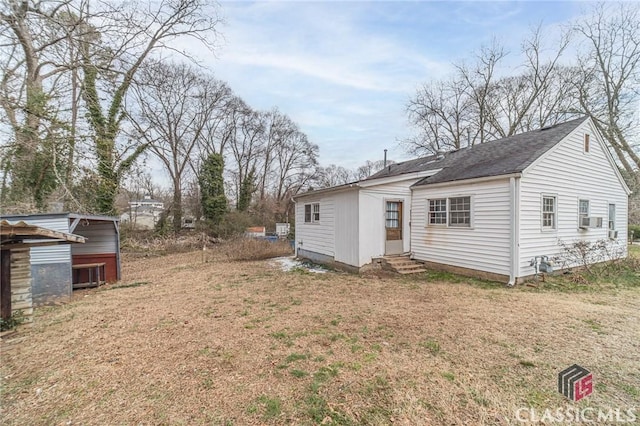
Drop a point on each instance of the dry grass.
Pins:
(183, 341)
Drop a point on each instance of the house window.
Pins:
(460, 211)
(438, 212)
(612, 217)
(393, 215)
(454, 211)
(548, 212)
(583, 209)
(316, 212)
(307, 213)
(586, 142)
(312, 213)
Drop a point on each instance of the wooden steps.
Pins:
(402, 264)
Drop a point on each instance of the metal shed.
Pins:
(53, 267)
(17, 239)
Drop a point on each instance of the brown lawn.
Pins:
(180, 341)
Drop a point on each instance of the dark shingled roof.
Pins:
(504, 156)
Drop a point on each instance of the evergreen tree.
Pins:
(214, 202)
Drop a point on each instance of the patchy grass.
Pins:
(225, 342)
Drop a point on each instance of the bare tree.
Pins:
(125, 35)
(295, 165)
(175, 103)
(246, 137)
(442, 111)
(476, 105)
(333, 175)
(370, 167)
(608, 78)
(34, 46)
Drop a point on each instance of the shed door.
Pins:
(393, 227)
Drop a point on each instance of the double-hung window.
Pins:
(454, 211)
(549, 212)
(460, 211)
(438, 211)
(583, 211)
(312, 213)
(612, 217)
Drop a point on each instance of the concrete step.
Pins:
(402, 265)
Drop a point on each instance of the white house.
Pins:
(143, 214)
(488, 209)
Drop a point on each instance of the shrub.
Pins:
(255, 249)
(635, 231)
(600, 259)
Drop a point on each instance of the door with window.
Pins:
(393, 227)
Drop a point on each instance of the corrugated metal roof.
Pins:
(37, 216)
(20, 232)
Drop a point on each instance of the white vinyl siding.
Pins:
(372, 209)
(564, 171)
(317, 237)
(346, 227)
(485, 246)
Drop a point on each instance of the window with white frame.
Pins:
(549, 212)
(583, 210)
(454, 211)
(612, 217)
(460, 211)
(438, 211)
(312, 213)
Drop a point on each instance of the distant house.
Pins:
(484, 210)
(143, 214)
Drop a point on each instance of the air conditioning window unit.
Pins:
(590, 222)
(613, 234)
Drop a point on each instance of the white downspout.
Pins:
(514, 220)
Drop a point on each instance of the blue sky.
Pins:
(344, 71)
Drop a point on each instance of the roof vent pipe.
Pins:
(439, 154)
(385, 159)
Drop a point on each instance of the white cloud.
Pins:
(345, 70)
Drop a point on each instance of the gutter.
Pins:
(514, 221)
(467, 181)
(311, 193)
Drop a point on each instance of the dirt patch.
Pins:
(193, 339)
